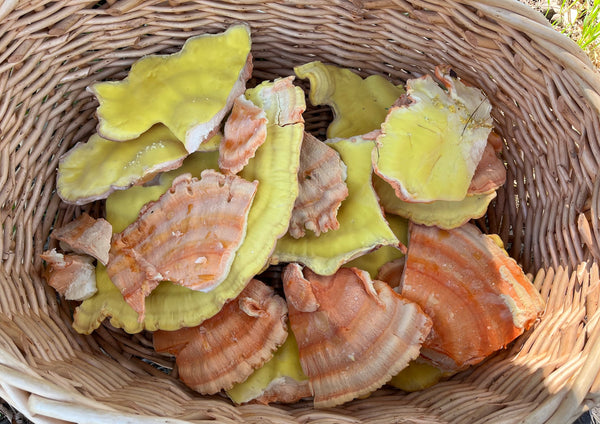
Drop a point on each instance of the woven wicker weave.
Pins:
(546, 100)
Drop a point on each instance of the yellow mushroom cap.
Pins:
(433, 139)
(362, 226)
(91, 171)
(189, 91)
(359, 105)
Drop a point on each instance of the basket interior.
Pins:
(545, 107)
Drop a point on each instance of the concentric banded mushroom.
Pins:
(245, 130)
(280, 380)
(353, 334)
(478, 298)
(322, 188)
(189, 237)
(228, 347)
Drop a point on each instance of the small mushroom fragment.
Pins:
(362, 224)
(353, 334)
(189, 237)
(280, 100)
(433, 139)
(87, 236)
(280, 380)
(245, 130)
(227, 348)
(490, 173)
(92, 170)
(359, 105)
(189, 91)
(322, 188)
(478, 298)
(275, 166)
(72, 276)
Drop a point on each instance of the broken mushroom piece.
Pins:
(87, 236)
(92, 170)
(359, 105)
(322, 188)
(189, 91)
(478, 298)
(227, 348)
(245, 130)
(362, 224)
(189, 237)
(353, 334)
(490, 173)
(72, 276)
(280, 380)
(433, 139)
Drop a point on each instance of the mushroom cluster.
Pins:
(208, 183)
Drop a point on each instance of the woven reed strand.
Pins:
(546, 106)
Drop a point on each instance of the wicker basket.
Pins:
(546, 99)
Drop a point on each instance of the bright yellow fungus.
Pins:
(432, 141)
(359, 105)
(91, 171)
(189, 91)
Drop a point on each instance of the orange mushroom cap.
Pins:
(353, 334)
(478, 298)
(228, 347)
(245, 131)
(189, 237)
(322, 188)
